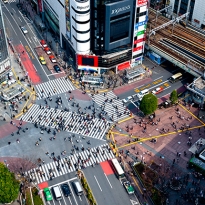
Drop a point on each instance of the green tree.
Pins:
(9, 186)
(173, 96)
(148, 104)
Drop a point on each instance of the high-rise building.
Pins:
(99, 35)
(196, 9)
(5, 63)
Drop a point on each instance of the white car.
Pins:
(127, 99)
(24, 30)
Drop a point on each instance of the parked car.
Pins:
(47, 50)
(43, 43)
(52, 58)
(157, 90)
(42, 60)
(66, 190)
(47, 193)
(24, 30)
(57, 68)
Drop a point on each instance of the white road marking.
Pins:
(35, 67)
(10, 24)
(97, 182)
(108, 180)
(30, 47)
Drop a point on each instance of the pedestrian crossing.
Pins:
(54, 87)
(112, 105)
(70, 163)
(67, 121)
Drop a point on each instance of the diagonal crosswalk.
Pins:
(69, 164)
(54, 87)
(68, 121)
(112, 105)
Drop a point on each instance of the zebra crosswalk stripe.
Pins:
(41, 173)
(96, 128)
(54, 87)
(110, 107)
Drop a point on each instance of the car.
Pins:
(57, 68)
(24, 30)
(127, 99)
(66, 190)
(42, 60)
(47, 50)
(47, 193)
(52, 58)
(157, 90)
(43, 43)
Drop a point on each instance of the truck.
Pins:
(129, 188)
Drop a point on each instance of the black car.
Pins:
(66, 190)
(57, 68)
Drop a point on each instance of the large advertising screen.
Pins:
(118, 24)
(67, 13)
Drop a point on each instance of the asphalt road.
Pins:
(14, 19)
(73, 199)
(160, 76)
(106, 189)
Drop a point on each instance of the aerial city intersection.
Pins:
(113, 117)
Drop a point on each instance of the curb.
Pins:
(88, 202)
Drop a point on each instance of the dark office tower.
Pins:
(5, 63)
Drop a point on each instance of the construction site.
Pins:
(180, 43)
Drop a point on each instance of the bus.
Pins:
(118, 169)
(175, 77)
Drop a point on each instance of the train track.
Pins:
(192, 48)
(177, 56)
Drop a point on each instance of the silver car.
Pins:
(24, 30)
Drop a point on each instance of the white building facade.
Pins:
(195, 7)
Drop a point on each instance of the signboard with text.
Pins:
(138, 48)
(141, 2)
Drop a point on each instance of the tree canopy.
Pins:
(148, 105)
(9, 186)
(173, 96)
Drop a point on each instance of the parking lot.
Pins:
(73, 199)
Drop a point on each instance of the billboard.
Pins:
(118, 24)
(40, 6)
(67, 14)
(141, 2)
(87, 60)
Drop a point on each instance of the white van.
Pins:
(57, 193)
(78, 188)
(142, 93)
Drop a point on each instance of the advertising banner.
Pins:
(141, 2)
(139, 40)
(138, 48)
(140, 33)
(40, 5)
